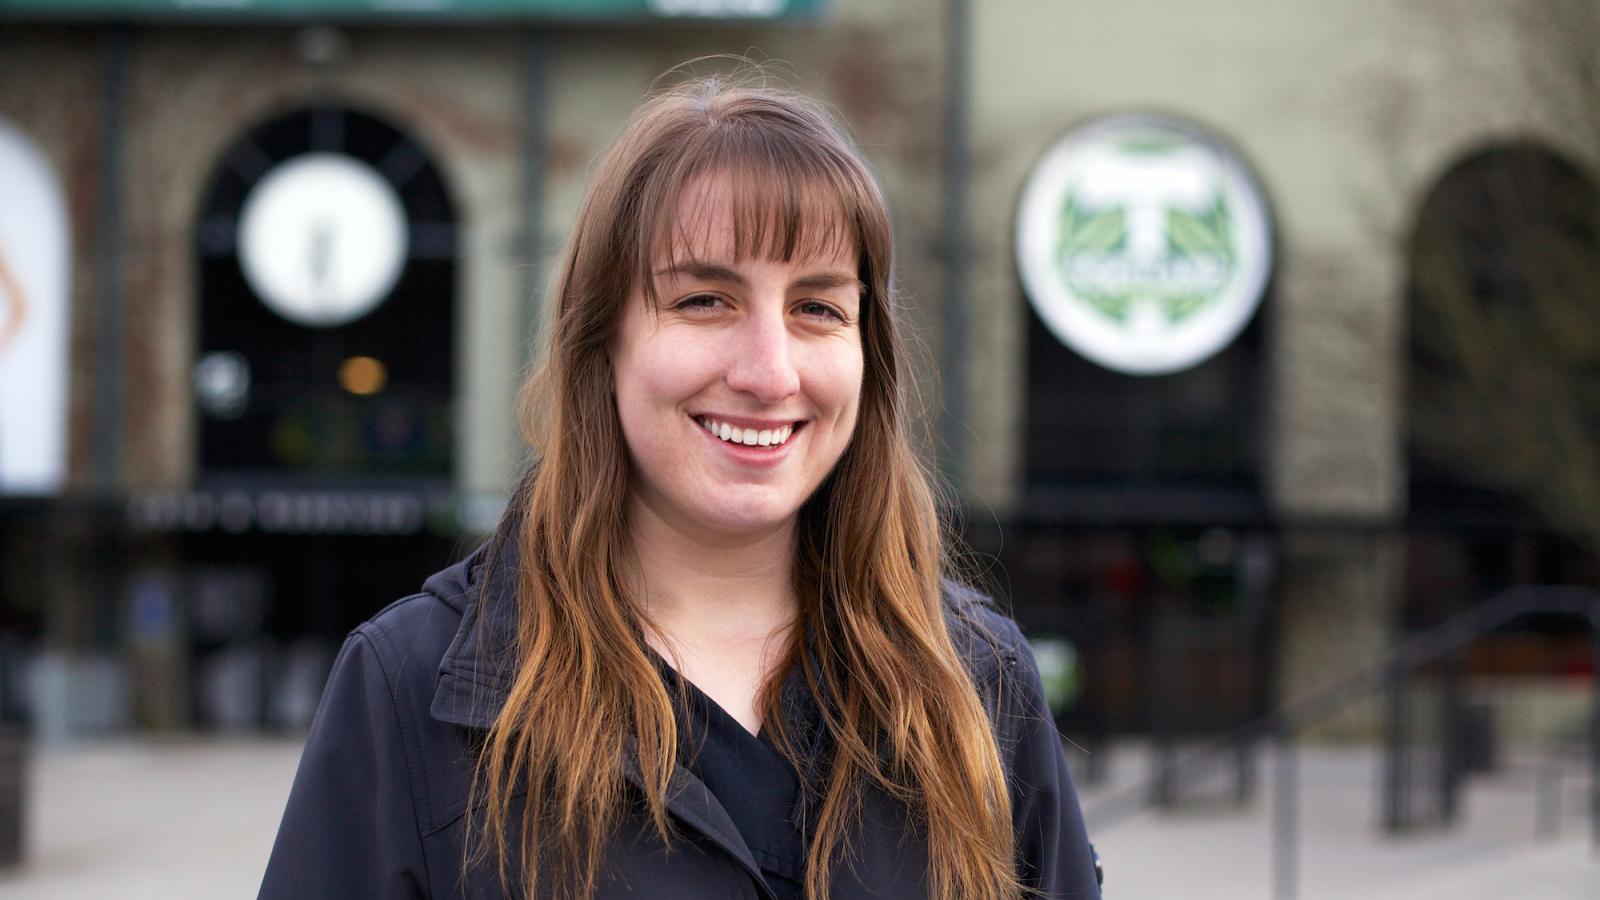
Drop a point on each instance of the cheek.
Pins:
(654, 382)
(644, 411)
(840, 387)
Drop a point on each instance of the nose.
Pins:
(763, 362)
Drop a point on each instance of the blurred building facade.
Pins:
(242, 485)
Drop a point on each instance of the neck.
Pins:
(705, 589)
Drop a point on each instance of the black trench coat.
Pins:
(378, 805)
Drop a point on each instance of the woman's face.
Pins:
(738, 387)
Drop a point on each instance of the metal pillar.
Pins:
(1594, 729)
(1285, 818)
(1452, 731)
(535, 139)
(108, 266)
(1396, 815)
(953, 331)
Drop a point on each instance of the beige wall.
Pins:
(1272, 80)
(1348, 112)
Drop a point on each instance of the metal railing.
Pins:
(1389, 674)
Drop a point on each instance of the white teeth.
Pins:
(750, 437)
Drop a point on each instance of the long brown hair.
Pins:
(902, 712)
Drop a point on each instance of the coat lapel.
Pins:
(692, 803)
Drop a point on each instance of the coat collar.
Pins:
(476, 671)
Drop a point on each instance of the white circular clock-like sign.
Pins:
(1145, 244)
(322, 239)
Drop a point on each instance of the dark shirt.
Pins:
(755, 783)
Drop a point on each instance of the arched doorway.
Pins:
(35, 266)
(326, 248)
(1503, 427)
(1141, 533)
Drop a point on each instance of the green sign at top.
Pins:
(547, 10)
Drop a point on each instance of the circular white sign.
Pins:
(322, 239)
(1143, 244)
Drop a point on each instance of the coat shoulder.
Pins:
(987, 639)
(410, 637)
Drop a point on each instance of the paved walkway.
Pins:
(184, 820)
(195, 819)
(1492, 853)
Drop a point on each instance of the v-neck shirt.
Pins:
(757, 786)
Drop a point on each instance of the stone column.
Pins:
(1336, 477)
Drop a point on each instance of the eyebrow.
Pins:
(706, 271)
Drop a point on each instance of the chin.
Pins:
(751, 517)
(749, 524)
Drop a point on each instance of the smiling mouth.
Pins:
(750, 437)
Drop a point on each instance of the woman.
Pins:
(710, 652)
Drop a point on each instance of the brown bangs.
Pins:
(786, 201)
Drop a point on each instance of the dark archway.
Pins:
(1503, 393)
(1141, 536)
(325, 439)
(278, 397)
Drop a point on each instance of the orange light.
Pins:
(362, 375)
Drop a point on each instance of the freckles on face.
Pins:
(739, 386)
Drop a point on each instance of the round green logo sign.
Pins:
(1144, 244)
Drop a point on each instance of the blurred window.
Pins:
(291, 305)
(1140, 445)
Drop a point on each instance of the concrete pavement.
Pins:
(1491, 853)
(196, 818)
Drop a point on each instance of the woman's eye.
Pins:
(698, 301)
(818, 309)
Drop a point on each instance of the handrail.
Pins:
(1413, 652)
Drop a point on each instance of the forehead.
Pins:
(722, 217)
